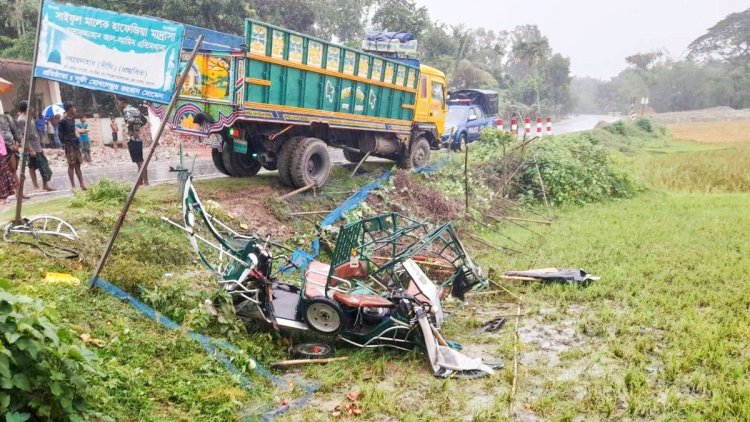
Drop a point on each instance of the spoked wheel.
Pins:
(323, 316)
(312, 351)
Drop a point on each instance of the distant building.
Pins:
(18, 73)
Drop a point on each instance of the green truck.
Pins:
(277, 99)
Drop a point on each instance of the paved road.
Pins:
(580, 123)
(204, 168)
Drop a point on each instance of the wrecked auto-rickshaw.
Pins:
(373, 293)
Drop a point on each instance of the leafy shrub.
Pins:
(618, 128)
(42, 366)
(576, 170)
(645, 124)
(103, 192)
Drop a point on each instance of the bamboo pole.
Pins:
(296, 191)
(144, 167)
(366, 156)
(306, 361)
(29, 122)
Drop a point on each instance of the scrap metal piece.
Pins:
(45, 232)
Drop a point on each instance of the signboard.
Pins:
(107, 51)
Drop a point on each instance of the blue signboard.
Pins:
(107, 51)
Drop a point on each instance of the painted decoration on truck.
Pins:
(315, 54)
(208, 78)
(350, 59)
(400, 75)
(412, 78)
(277, 45)
(258, 40)
(364, 66)
(346, 95)
(330, 91)
(377, 69)
(334, 58)
(388, 72)
(372, 101)
(296, 47)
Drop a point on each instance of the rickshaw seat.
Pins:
(362, 301)
(316, 275)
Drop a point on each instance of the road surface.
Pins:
(204, 168)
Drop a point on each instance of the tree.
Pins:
(344, 20)
(297, 15)
(729, 40)
(643, 61)
(401, 16)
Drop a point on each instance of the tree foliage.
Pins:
(728, 40)
(519, 63)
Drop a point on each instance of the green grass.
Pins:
(669, 315)
(662, 336)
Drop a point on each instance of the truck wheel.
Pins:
(245, 164)
(239, 165)
(419, 154)
(218, 161)
(311, 164)
(353, 157)
(284, 161)
(461, 144)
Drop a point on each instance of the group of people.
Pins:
(71, 135)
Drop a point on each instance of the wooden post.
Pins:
(466, 178)
(29, 122)
(144, 167)
(354, 172)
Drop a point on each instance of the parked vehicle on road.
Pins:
(277, 99)
(469, 112)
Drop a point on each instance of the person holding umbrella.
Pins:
(34, 152)
(71, 145)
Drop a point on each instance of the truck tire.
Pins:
(284, 161)
(418, 156)
(311, 164)
(218, 161)
(461, 144)
(239, 165)
(353, 157)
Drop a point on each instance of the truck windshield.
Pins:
(456, 114)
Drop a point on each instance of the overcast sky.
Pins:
(595, 34)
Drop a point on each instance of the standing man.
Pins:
(34, 152)
(134, 121)
(82, 128)
(115, 128)
(41, 129)
(71, 144)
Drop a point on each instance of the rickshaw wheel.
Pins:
(312, 351)
(323, 315)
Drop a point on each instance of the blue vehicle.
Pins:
(469, 112)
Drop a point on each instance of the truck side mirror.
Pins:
(472, 117)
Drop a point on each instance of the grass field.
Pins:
(664, 335)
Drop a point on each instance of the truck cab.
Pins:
(432, 102)
(469, 112)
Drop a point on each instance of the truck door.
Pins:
(475, 122)
(438, 103)
(422, 112)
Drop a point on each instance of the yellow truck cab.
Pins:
(431, 104)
